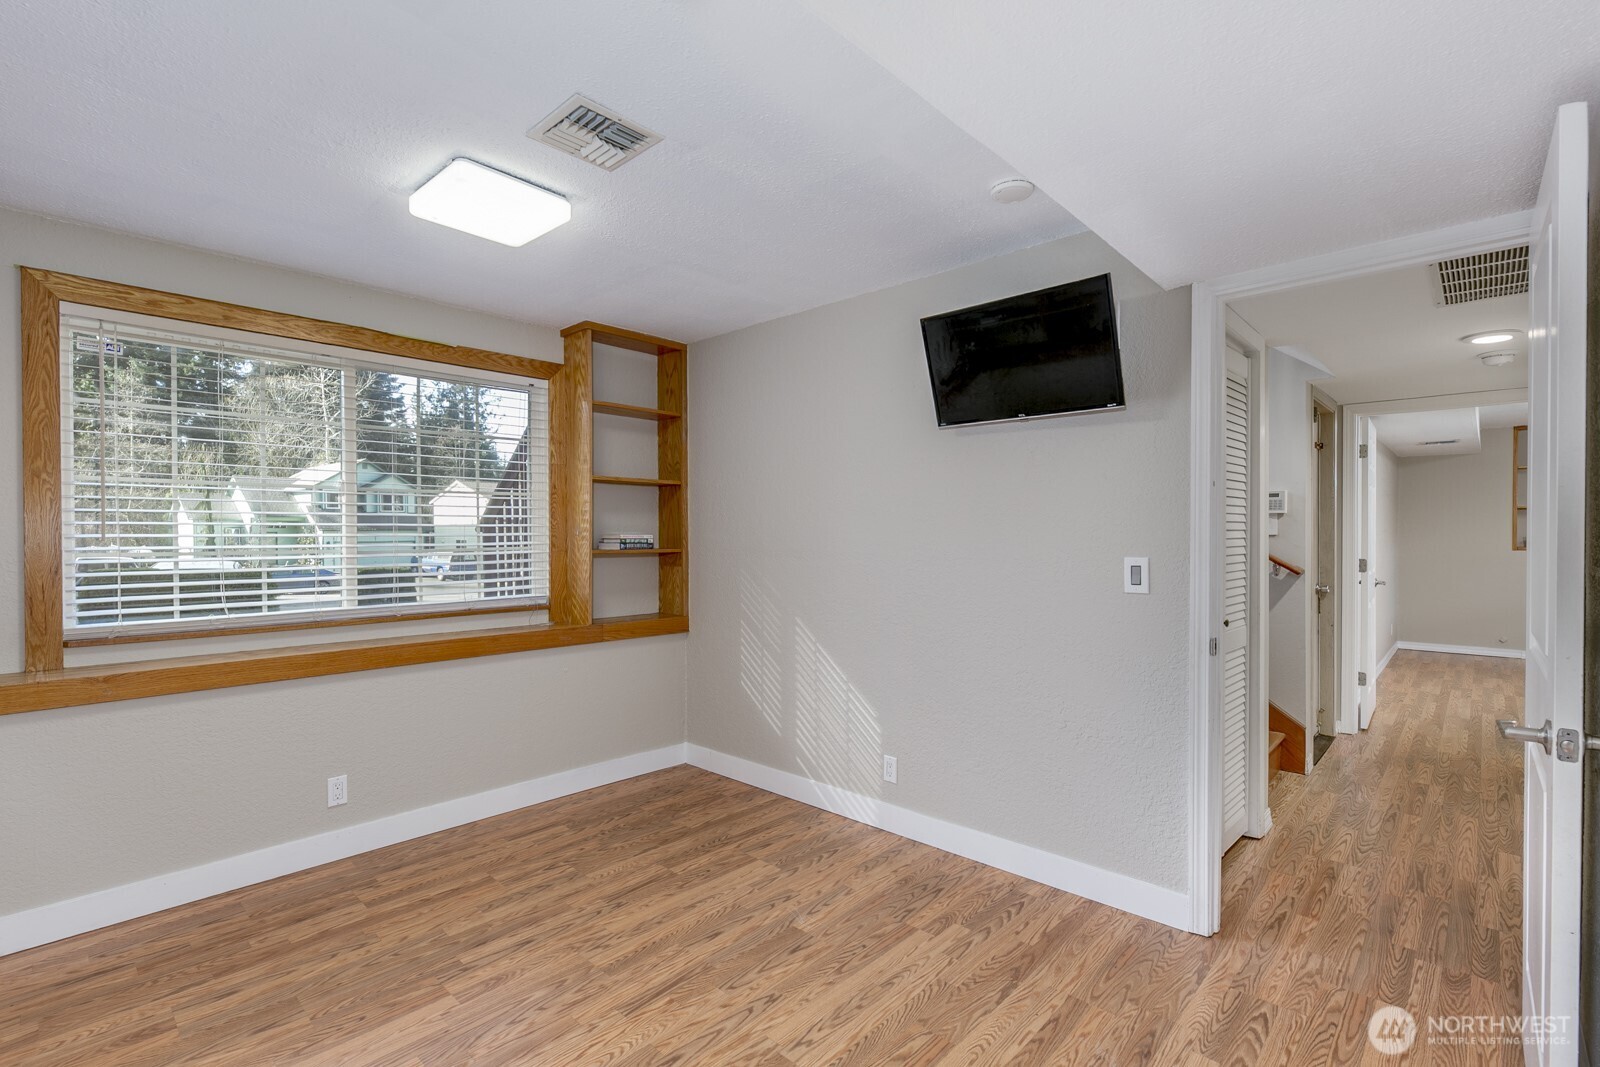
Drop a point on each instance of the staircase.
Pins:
(1286, 743)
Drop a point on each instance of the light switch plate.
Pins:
(1136, 574)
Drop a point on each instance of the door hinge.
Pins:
(1361, 453)
(1361, 677)
(1213, 646)
(1361, 566)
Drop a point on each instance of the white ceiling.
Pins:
(1406, 432)
(1454, 432)
(1203, 139)
(1382, 338)
(795, 171)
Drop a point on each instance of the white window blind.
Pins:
(217, 477)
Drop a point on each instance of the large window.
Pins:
(217, 479)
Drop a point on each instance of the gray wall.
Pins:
(868, 583)
(1463, 583)
(95, 797)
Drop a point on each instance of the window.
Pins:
(145, 415)
(215, 478)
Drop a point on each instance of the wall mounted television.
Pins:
(1046, 353)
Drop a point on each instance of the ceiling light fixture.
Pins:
(1497, 359)
(1011, 191)
(1493, 337)
(485, 202)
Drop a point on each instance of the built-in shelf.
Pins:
(633, 411)
(606, 479)
(573, 501)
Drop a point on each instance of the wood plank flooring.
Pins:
(681, 918)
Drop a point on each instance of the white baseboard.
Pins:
(1383, 666)
(1167, 906)
(52, 922)
(1461, 650)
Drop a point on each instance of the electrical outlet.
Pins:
(891, 769)
(338, 791)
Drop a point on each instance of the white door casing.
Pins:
(1369, 580)
(1552, 787)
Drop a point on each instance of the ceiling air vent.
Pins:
(1447, 441)
(1502, 273)
(583, 128)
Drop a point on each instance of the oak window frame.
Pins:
(46, 681)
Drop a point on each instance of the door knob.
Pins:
(1323, 590)
(1540, 735)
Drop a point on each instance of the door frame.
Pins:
(1355, 621)
(1208, 360)
(1314, 668)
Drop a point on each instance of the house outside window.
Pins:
(211, 474)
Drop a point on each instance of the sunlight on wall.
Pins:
(804, 695)
(837, 734)
(761, 651)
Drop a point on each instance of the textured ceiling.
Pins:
(795, 171)
(1203, 139)
(1382, 338)
(1404, 432)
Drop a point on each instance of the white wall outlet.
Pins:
(1136, 574)
(338, 790)
(891, 769)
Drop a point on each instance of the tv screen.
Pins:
(1053, 352)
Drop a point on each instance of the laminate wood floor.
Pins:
(683, 918)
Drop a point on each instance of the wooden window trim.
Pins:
(73, 686)
(46, 682)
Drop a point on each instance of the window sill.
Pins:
(74, 686)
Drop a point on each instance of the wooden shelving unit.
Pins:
(606, 479)
(1519, 488)
(573, 409)
(632, 411)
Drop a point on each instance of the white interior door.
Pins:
(1233, 647)
(1553, 783)
(1369, 584)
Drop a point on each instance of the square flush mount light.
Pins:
(484, 202)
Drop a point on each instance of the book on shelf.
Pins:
(623, 542)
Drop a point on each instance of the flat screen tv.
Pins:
(1052, 352)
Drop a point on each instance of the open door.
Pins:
(1367, 578)
(1326, 589)
(1553, 730)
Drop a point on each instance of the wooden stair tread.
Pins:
(1274, 739)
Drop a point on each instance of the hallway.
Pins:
(1393, 874)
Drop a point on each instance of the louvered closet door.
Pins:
(1234, 645)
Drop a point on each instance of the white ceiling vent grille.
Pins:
(1479, 277)
(583, 128)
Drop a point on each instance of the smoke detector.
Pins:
(1497, 359)
(1011, 191)
(580, 127)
